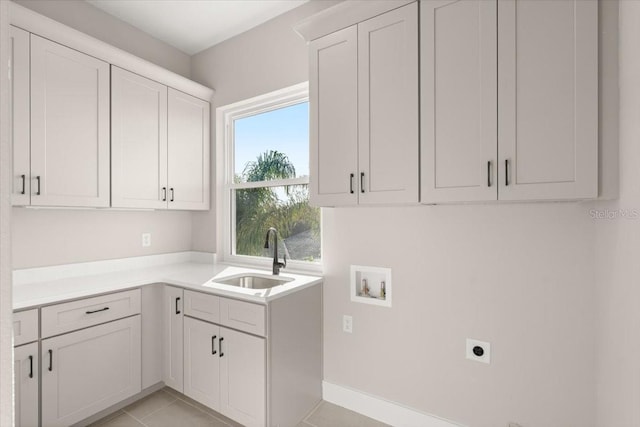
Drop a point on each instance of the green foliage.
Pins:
(257, 209)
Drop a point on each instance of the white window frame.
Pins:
(225, 172)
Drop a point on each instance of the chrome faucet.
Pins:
(277, 265)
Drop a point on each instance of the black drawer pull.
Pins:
(38, 179)
(351, 183)
(97, 311)
(50, 360)
(24, 183)
(177, 309)
(220, 344)
(164, 194)
(30, 366)
(213, 344)
(172, 198)
(362, 182)
(489, 173)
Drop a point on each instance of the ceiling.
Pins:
(194, 25)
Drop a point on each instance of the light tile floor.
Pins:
(168, 408)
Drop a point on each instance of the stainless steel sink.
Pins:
(252, 281)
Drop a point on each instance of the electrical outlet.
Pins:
(479, 351)
(347, 324)
(146, 240)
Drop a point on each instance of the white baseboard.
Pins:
(380, 409)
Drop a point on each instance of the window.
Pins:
(266, 179)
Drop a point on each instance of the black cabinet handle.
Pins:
(489, 173)
(213, 344)
(24, 183)
(30, 366)
(50, 360)
(220, 344)
(38, 179)
(177, 309)
(351, 176)
(171, 189)
(97, 311)
(506, 172)
(164, 194)
(362, 182)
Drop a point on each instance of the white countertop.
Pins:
(40, 290)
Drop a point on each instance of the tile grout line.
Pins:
(140, 420)
(306, 419)
(204, 412)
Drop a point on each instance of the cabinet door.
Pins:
(25, 371)
(388, 107)
(333, 119)
(242, 377)
(188, 152)
(138, 141)
(202, 362)
(89, 370)
(173, 337)
(459, 136)
(69, 127)
(548, 99)
(20, 129)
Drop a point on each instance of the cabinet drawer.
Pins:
(25, 327)
(61, 318)
(202, 306)
(244, 316)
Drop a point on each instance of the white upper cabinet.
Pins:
(364, 112)
(160, 145)
(138, 141)
(20, 130)
(93, 126)
(333, 94)
(509, 107)
(388, 107)
(458, 100)
(188, 153)
(548, 99)
(69, 127)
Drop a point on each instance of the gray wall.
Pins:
(93, 21)
(536, 280)
(50, 237)
(617, 252)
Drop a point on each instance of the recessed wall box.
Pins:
(371, 285)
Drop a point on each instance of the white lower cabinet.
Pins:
(225, 370)
(25, 368)
(242, 377)
(89, 370)
(202, 362)
(173, 337)
(222, 352)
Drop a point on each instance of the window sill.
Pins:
(302, 267)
